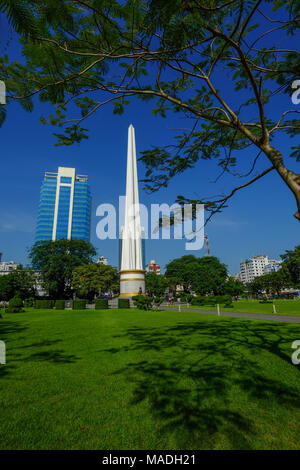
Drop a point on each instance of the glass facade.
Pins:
(46, 210)
(65, 207)
(63, 212)
(81, 211)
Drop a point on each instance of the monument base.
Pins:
(132, 282)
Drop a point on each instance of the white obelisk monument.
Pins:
(132, 274)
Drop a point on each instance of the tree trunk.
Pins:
(290, 178)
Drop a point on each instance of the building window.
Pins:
(66, 179)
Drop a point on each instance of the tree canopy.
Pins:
(94, 279)
(56, 261)
(233, 287)
(20, 282)
(202, 275)
(218, 63)
(155, 284)
(271, 283)
(291, 265)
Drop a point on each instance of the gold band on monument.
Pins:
(130, 294)
(129, 271)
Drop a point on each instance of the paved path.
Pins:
(255, 316)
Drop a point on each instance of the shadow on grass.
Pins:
(198, 371)
(56, 356)
(9, 328)
(41, 344)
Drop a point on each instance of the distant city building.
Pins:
(65, 206)
(7, 267)
(257, 266)
(153, 267)
(273, 266)
(102, 260)
(39, 289)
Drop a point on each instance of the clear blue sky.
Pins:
(259, 219)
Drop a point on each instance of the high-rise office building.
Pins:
(65, 206)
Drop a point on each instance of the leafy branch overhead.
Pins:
(218, 63)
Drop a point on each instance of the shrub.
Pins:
(101, 304)
(15, 302)
(29, 302)
(124, 303)
(211, 300)
(15, 305)
(158, 301)
(79, 304)
(44, 304)
(221, 299)
(14, 310)
(60, 304)
(142, 302)
(227, 301)
(198, 300)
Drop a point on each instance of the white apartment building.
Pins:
(7, 267)
(257, 266)
(273, 266)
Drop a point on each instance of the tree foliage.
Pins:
(95, 279)
(271, 283)
(233, 287)
(56, 261)
(155, 284)
(218, 63)
(291, 265)
(20, 282)
(201, 275)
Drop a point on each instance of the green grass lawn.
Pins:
(128, 379)
(283, 307)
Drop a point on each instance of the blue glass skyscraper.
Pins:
(65, 206)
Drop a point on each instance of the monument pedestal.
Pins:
(131, 282)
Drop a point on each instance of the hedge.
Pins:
(29, 302)
(44, 304)
(60, 304)
(123, 303)
(198, 300)
(101, 304)
(79, 304)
